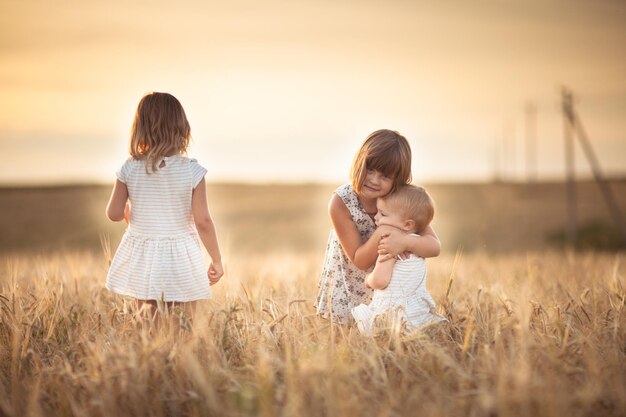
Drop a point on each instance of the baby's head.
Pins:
(160, 128)
(409, 208)
(385, 151)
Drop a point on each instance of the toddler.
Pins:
(400, 284)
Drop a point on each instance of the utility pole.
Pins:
(572, 122)
(570, 186)
(531, 142)
(508, 152)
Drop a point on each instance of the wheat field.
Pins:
(533, 334)
(534, 329)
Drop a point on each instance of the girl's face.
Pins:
(376, 184)
(388, 215)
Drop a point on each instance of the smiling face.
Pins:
(390, 214)
(376, 184)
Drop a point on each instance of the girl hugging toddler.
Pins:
(382, 164)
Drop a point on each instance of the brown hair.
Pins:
(160, 128)
(385, 151)
(414, 203)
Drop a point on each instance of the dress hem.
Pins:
(127, 293)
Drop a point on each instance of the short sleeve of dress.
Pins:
(197, 172)
(124, 172)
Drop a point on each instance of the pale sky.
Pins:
(287, 90)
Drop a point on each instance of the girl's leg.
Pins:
(147, 313)
(182, 315)
(147, 308)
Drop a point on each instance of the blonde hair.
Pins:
(160, 128)
(385, 151)
(414, 203)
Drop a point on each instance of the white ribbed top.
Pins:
(159, 256)
(405, 298)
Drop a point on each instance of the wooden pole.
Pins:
(531, 142)
(611, 202)
(570, 186)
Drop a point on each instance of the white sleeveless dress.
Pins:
(405, 298)
(159, 256)
(342, 284)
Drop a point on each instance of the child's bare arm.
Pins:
(379, 278)
(363, 255)
(206, 230)
(117, 202)
(427, 245)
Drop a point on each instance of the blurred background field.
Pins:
(492, 217)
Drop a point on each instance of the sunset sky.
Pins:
(287, 90)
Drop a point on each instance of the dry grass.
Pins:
(530, 335)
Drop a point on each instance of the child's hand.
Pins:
(391, 244)
(215, 272)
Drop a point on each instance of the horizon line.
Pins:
(490, 181)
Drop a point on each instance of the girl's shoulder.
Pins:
(348, 196)
(187, 166)
(197, 171)
(182, 163)
(346, 192)
(126, 169)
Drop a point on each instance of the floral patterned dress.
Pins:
(342, 284)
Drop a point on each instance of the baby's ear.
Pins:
(409, 225)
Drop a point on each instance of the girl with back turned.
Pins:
(159, 257)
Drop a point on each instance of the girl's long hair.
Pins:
(160, 128)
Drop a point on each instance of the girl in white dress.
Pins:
(400, 294)
(159, 257)
(382, 164)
